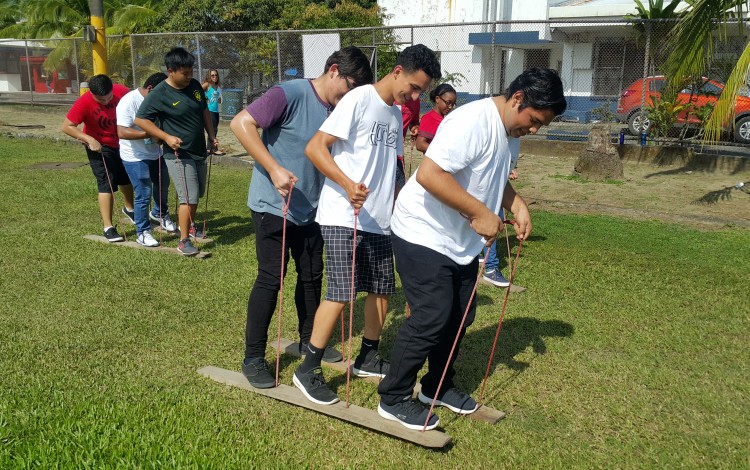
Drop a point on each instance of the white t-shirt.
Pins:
(133, 150)
(472, 145)
(369, 140)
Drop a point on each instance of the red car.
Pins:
(629, 106)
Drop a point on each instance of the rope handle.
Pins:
(285, 210)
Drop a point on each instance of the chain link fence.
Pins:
(610, 69)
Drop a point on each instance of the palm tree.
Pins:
(693, 44)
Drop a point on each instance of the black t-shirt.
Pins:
(178, 113)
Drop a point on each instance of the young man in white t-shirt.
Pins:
(140, 156)
(444, 215)
(364, 135)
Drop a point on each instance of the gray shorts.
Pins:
(374, 263)
(187, 175)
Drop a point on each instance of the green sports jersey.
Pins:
(178, 113)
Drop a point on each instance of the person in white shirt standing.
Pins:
(443, 216)
(364, 135)
(140, 156)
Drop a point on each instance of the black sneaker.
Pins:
(371, 366)
(314, 386)
(255, 370)
(112, 236)
(330, 354)
(453, 399)
(129, 214)
(410, 414)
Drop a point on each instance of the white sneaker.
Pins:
(166, 222)
(146, 239)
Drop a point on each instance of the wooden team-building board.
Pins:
(353, 414)
(132, 244)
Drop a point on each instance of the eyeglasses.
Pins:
(214, 75)
(449, 104)
(349, 85)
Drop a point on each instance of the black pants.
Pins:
(438, 291)
(306, 246)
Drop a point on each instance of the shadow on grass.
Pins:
(227, 230)
(516, 335)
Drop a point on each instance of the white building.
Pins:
(586, 41)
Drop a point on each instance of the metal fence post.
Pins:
(198, 53)
(28, 69)
(645, 68)
(132, 61)
(278, 55)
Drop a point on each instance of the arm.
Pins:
(318, 153)
(71, 129)
(150, 128)
(446, 189)
(209, 125)
(205, 86)
(129, 133)
(422, 144)
(245, 128)
(521, 217)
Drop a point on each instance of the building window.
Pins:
(616, 66)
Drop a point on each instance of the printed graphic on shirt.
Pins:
(379, 132)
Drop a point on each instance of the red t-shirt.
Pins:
(410, 114)
(430, 122)
(100, 122)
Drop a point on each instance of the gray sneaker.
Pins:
(314, 387)
(255, 370)
(186, 248)
(453, 399)
(410, 414)
(496, 278)
(371, 366)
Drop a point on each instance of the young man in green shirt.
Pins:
(179, 106)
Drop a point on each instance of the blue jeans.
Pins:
(490, 255)
(145, 178)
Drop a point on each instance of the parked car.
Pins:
(629, 108)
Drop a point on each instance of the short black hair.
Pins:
(352, 62)
(440, 90)
(100, 85)
(541, 88)
(154, 79)
(419, 57)
(178, 58)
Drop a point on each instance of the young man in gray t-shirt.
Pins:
(289, 113)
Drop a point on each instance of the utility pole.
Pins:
(98, 39)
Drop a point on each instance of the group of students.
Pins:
(326, 166)
(134, 139)
(327, 162)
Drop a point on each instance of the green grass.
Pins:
(629, 348)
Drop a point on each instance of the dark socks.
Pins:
(367, 346)
(312, 359)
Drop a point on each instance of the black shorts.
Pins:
(112, 173)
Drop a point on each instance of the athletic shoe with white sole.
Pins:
(314, 387)
(371, 366)
(112, 236)
(496, 278)
(453, 399)
(256, 371)
(186, 248)
(146, 239)
(330, 354)
(165, 223)
(410, 414)
(129, 214)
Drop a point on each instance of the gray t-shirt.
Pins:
(290, 113)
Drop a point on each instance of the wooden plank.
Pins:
(156, 228)
(357, 415)
(483, 413)
(132, 244)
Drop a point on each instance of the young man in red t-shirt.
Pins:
(97, 110)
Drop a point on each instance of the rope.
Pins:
(502, 316)
(458, 333)
(161, 216)
(187, 196)
(112, 192)
(285, 211)
(208, 186)
(352, 295)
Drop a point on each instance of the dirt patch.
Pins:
(670, 189)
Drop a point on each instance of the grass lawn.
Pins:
(629, 348)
